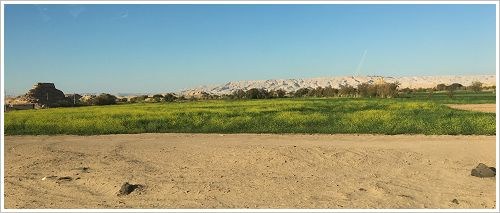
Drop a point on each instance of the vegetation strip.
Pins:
(298, 115)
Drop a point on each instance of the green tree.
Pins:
(302, 92)
(169, 97)
(387, 90)
(105, 99)
(157, 97)
(122, 100)
(330, 92)
(255, 93)
(346, 90)
(456, 86)
(476, 86)
(138, 99)
(280, 93)
(441, 87)
(367, 90)
(239, 94)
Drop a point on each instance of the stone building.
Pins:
(44, 95)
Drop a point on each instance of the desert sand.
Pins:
(475, 107)
(248, 171)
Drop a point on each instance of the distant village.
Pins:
(46, 95)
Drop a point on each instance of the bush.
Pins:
(347, 90)
(255, 93)
(104, 99)
(170, 97)
(387, 90)
(302, 92)
(476, 86)
(330, 92)
(406, 90)
(138, 99)
(455, 86)
(122, 100)
(441, 87)
(367, 90)
(239, 94)
(157, 97)
(280, 93)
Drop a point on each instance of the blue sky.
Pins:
(162, 48)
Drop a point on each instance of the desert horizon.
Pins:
(411, 82)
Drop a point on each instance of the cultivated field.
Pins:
(416, 115)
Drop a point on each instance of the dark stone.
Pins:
(407, 196)
(482, 170)
(455, 201)
(64, 179)
(84, 169)
(45, 94)
(128, 188)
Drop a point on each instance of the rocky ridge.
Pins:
(290, 85)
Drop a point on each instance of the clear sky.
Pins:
(163, 48)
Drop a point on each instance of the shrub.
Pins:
(455, 86)
(367, 90)
(387, 90)
(280, 93)
(170, 97)
(346, 90)
(441, 87)
(330, 92)
(314, 92)
(255, 93)
(157, 97)
(105, 99)
(138, 99)
(122, 100)
(476, 86)
(406, 90)
(302, 92)
(239, 94)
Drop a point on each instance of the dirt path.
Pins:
(248, 171)
(475, 107)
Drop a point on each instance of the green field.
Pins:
(416, 115)
(459, 97)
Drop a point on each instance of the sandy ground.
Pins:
(475, 107)
(248, 171)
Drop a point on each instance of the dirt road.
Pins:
(248, 171)
(475, 107)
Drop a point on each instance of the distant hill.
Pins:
(295, 84)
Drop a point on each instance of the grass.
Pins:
(311, 115)
(459, 97)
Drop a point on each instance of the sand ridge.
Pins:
(248, 171)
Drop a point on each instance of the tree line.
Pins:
(363, 90)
